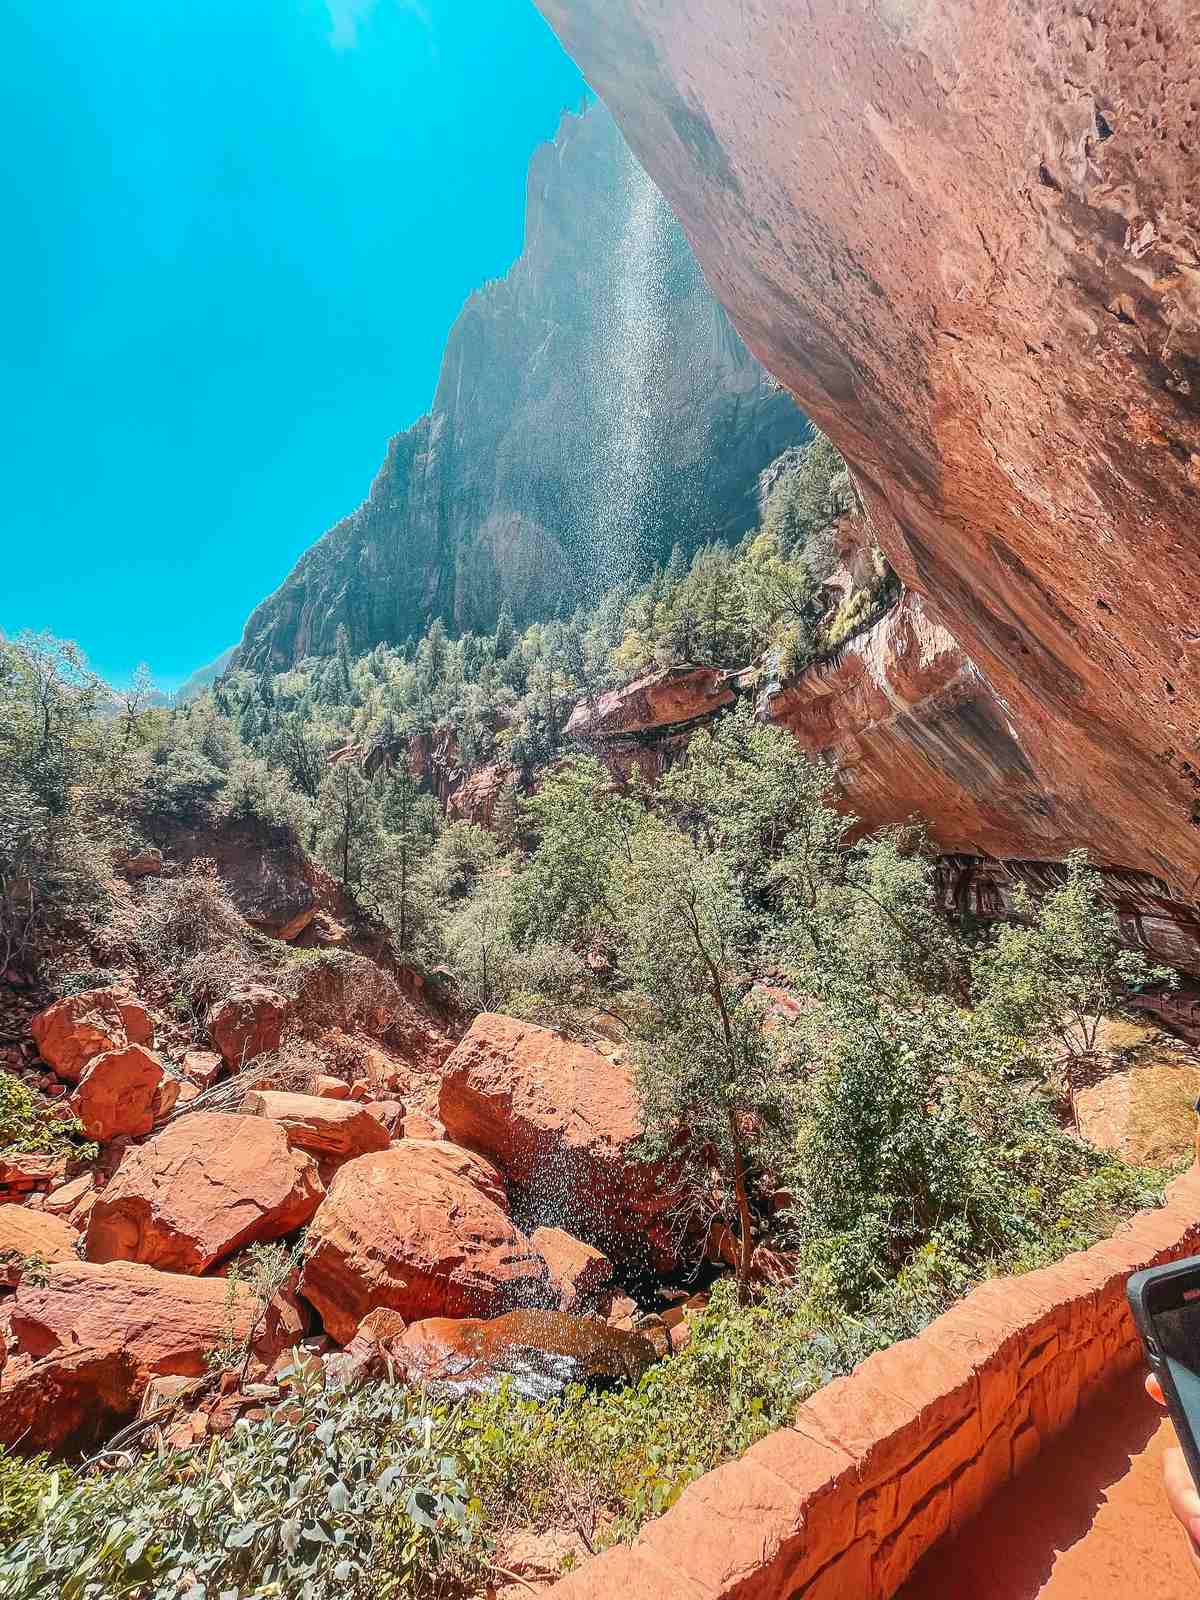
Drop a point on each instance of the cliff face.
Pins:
(593, 402)
(965, 236)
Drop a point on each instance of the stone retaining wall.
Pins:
(879, 1465)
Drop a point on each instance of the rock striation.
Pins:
(964, 238)
(498, 491)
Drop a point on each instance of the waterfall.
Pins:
(626, 377)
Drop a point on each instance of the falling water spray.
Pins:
(626, 377)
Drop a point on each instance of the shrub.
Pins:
(181, 785)
(260, 797)
(285, 1506)
(23, 1486)
(28, 1126)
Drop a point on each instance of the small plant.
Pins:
(80, 981)
(262, 1271)
(29, 1127)
(1050, 978)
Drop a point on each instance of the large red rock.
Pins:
(201, 1189)
(202, 1067)
(537, 1353)
(411, 1229)
(71, 1032)
(168, 1321)
(560, 1121)
(660, 700)
(90, 1338)
(248, 1023)
(121, 1092)
(67, 1402)
(37, 1234)
(578, 1271)
(962, 236)
(329, 1128)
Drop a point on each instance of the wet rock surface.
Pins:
(560, 1120)
(538, 1353)
(421, 1229)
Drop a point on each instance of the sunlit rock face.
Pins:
(964, 235)
(594, 403)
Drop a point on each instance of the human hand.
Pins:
(1182, 1495)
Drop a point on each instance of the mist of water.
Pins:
(627, 376)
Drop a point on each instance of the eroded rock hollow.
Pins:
(965, 236)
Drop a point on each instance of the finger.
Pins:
(1181, 1493)
(1154, 1388)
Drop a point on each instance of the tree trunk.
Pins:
(746, 1240)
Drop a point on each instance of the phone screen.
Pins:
(1177, 1330)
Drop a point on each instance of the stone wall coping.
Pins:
(879, 1465)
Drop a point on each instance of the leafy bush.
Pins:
(28, 1125)
(23, 1485)
(285, 1506)
(181, 786)
(261, 796)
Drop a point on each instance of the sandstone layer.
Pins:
(965, 238)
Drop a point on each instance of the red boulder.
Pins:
(201, 1189)
(412, 1229)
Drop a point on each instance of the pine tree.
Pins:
(506, 633)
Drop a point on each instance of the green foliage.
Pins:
(24, 1484)
(262, 1271)
(1050, 978)
(29, 1126)
(583, 827)
(286, 1506)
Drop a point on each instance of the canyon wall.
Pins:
(593, 405)
(965, 236)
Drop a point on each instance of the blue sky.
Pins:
(236, 233)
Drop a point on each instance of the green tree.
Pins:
(506, 633)
(717, 1097)
(1051, 977)
(583, 826)
(347, 826)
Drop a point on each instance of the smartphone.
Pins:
(1165, 1302)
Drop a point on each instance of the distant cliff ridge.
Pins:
(594, 406)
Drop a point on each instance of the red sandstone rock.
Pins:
(409, 1228)
(661, 700)
(1000, 203)
(147, 863)
(247, 1024)
(336, 1128)
(65, 1200)
(67, 1402)
(25, 1233)
(388, 1113)
(579, 1271)
(202, 1067)
(329, 1088)
(417, 1125)
(538, 1352)
(91, 1337)
(72, 1031)
(120, 1092)
(22, 1174)
(560, 1121)
(201, 1189)
(168, 1321)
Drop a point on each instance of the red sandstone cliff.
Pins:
(965, 236)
